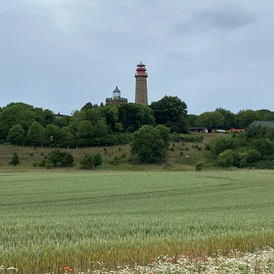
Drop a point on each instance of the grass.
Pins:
(180, 156)
(48, 220)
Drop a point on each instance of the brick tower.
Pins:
(141, 85)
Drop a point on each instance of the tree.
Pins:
(246, 117)
(85, 132)
(170, 111)
(148, 144)
(16, 134)
(97, 160)
(165, 134)
(100, 129)
(35, 134)
(56, 157)
(132, 116)
(192, 119)
(44, 117)
(15, 159)
(211, 119)
(16, 113)
(264, 115)
(229, 118)
(54, 135)
(264, 146)
(87, 106)
(62, 122)
(67, 160)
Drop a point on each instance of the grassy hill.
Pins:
(180, 156)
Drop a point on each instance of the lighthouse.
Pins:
(116, 98)
(141, 85)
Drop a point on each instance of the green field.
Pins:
(48, 220)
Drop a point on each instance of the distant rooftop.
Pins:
(117, 89)
(264, 123)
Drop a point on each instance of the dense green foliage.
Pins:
(50, 220)
(150, 143)
(97, 160)
(60, 158)
(93, 125)
(89, 161)
(171, 112)
(254, 148)
(225, 119)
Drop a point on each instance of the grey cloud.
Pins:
(227, 18)
(219, 17)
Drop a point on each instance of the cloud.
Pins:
(225, 17)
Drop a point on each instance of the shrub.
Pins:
(97, 160)
(67, 160)
(41, 163)
(175, 137)
(201, 165)
(226, 158)
(15, 159)
(252, 156)
(220, 144)
(239, 158)
(87, 162)
(60, 158)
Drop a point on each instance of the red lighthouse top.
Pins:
(141, 70)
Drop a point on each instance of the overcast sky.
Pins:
(61, 54)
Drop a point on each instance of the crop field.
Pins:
(104, 220)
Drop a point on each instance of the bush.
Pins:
(201, 165)
(252, 156)
(67, 160)
(239, 159)
(220, 144)
(60, 158)
(266, 164)
(41, 163)
(87, 162)
(226, 158)
(175, 137)
(15, 159)
(97, 160)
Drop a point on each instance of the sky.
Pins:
(61, 54)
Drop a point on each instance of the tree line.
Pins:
(225, 119)
(93, 125)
